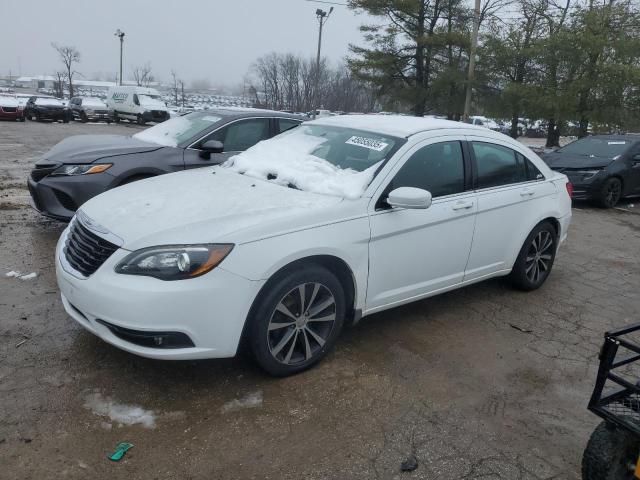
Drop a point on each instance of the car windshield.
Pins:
(92, 102)
(179, 129)
(150, 100)
(49, 101)
(597, 147)
(317, 158)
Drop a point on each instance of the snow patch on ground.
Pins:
(21, 276)
(252, 400)
(119, 412)
(287, 161)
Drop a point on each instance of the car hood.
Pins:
(208, 205)
(560, 160)
(89, 148)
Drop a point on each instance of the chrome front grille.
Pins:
(85, 251)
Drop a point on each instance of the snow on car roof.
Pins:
(396, 125)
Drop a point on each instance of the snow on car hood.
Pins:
(200, 206)
(286, 161)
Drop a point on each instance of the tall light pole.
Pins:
(472, 60)
(120, 33)
(322, 17)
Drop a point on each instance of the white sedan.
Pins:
(320, 226)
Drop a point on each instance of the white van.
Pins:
(138, 104)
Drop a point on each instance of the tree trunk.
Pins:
(513, 133)
(583, 128)
(553, 134)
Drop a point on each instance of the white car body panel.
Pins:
(395, 256)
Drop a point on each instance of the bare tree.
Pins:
(174, 87)
(58, 86)
(69, 55)
(142, 75)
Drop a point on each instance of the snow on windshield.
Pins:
(151, 101)
(288, 161)
(48, 101)
(93, 102)
(177, 130)
(8, 101)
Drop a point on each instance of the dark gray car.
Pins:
(83, 166)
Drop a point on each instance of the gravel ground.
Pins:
(484, 382)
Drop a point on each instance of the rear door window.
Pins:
(497, 165)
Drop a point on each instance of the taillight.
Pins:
(570, 189)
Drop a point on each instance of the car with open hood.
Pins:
(82, 166)
(602, 168)
(327, 223)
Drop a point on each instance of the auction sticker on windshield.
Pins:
(369, 143)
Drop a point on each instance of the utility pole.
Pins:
(119, 33)
(472, 61)
(322, 17)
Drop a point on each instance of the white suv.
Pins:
(329, 222)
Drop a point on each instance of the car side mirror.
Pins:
(409, 197)
(209, 147)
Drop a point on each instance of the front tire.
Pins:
(611, 454)
(296, 320)
(610, 193)
(140, 119)
(536, 257)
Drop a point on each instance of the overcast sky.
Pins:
(214, 39)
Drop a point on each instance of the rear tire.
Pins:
(296, 320)
(536, 257)
(611, 454)
(610, 193)
(116, 118)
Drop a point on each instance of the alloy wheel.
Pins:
(539, 256)
(612, 194)
(301, 323)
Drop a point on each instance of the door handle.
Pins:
(526, 193)
(462, 206)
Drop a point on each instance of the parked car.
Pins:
(83, 166)
(282, 245)
(602, 168)
(10, 109)
(46, 108)
(484, 122)
(90, 108)
(139, 104)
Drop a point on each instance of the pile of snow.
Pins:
(252, 400)
(121, 413)
(288, 161)
(93, 102)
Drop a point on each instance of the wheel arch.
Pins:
(336, 265)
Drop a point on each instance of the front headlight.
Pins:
(81, 169)
(587, 174)
(174, 262)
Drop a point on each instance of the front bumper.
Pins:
(210, 310)
(59, 197)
